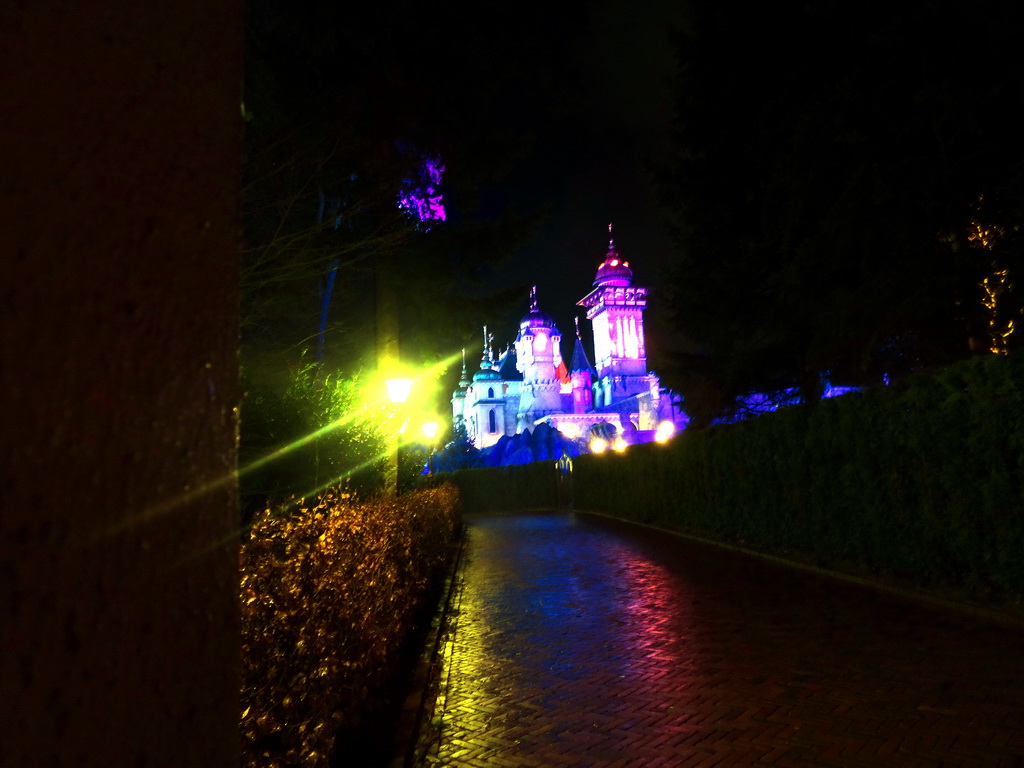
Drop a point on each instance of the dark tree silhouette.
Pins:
(832, 165)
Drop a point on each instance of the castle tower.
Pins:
(538, 356)
(615, 308)
(485, 403)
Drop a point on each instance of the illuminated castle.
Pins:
(617, 403)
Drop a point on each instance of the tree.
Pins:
(828, 162)
(459, 453)
(347, 123)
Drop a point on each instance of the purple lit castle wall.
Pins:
(577, 407)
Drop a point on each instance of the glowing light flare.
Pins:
(570, 429)
(426, 377)
(430, 429)
(598, 445)
(665, 431)
(398, 389)
(423, 388)
(619, 445)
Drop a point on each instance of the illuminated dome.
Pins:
(613, 270)
(486, 374)
(535, 318)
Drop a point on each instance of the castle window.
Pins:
(492, 422)
(490, 394)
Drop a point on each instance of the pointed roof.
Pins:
(507, 366)
(488, 368)
(613, 270)
(580, 361)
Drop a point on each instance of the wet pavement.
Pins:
(578, 641)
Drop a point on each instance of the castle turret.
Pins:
(615, 308)
(485, 401)
(538, 356)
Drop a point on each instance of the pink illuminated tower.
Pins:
(615, 308)
(538, 356)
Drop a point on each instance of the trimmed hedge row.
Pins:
(328, 595)
(921, 480)
(500, 489)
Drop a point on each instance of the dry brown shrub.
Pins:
(328, 594)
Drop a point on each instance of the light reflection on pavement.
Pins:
(583, 643)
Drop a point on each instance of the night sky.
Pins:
(800, 124)
(591, 159)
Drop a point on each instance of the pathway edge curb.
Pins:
(411, 726)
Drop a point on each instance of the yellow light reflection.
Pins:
(570, 429)
(598, 445)
(665, 432)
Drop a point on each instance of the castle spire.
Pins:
(533, 299)
(464, 379)
(487, 358)
(611, 238)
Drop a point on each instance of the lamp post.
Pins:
(398, 393)
(430, 432)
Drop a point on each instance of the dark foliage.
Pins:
(920, 480)
(459, 453)
(505, 489)
(833, 163)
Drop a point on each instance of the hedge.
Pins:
(328, 595)
(500, 489)
(922, 480)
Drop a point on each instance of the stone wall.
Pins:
(120, 149)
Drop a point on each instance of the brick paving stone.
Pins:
(578, 643)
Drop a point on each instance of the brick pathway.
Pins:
(579, 642)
